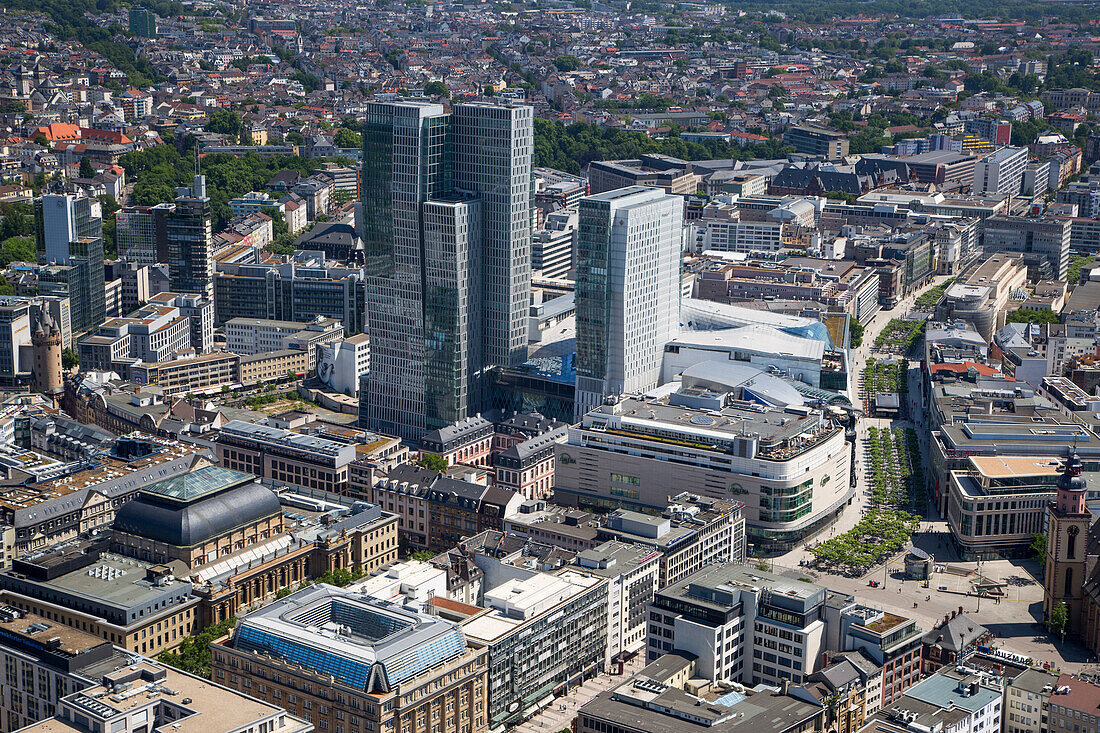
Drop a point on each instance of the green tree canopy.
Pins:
(436, 89)
(345, 138)
(567, 63)
(224, 122)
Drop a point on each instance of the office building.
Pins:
(284, 456)
(553, 244)
(191, 242)
(168, 700)
(653, 171)
(141, 233)
(298, 290)
(151, 334)
(964, 699)
(750, 626)
(342, 660)
(341, 364)
(435, 511)
(1026, 701)
(65, 499)
(1000, 173)
(691, 533)
(48, 661)
(69, 233)
(543, 633)
(448, 275)
(259, 335)
(126, 601)
(628, 291)
(997, 506)
(817, 141)
(143, 23)
(1042, 243)
(18, 316)
(662, 699)
(632, 573)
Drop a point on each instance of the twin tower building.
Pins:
(446, 221)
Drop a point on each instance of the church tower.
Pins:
(1064, 572)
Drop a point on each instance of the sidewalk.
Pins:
(559, 714)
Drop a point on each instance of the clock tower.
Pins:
(1068, 527)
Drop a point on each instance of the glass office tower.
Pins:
(446, 231)
(69, 234)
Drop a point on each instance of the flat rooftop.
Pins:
(37, 630)
(650, 705)
(114, 580)
(1016, 466)
(211, 706)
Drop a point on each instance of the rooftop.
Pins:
(353, 638)
(208, 706)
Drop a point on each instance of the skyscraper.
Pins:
(191, 242)
(69, 233)
(628, 290)
(142, 233)
(446, 228)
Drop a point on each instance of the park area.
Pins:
(897, 497)
(886, 376)
(899, 336)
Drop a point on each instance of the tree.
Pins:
(86, 168)
(1038, 547)
(69, 359)
(855, 333)
(16, 220)
(295, 138)
(1027, 315)
(1059, 617)
(224, 122)
(17, 249)
(40, 139)
(345, 138)
(436, 89)
(193, 654)
(422, 555)
(567, 63)
(432, 462)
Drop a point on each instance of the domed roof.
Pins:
(191, 509)
(1071, 479)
